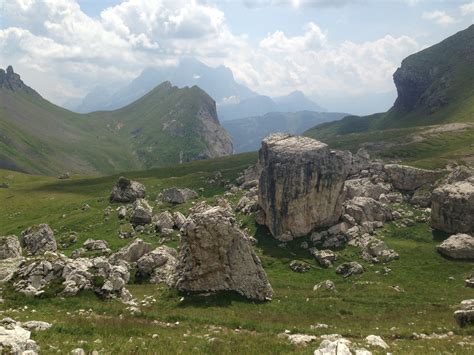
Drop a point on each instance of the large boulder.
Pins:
(38, 239)
(458, 246)
(127, 191)
(301, 184)
(407, 178)
(141, 212)
(215, 255)
(452, 207)
(131, 252)
(158, 266)
(465, 314)
(176, 196)
(9, 247)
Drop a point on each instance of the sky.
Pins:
(340, 53)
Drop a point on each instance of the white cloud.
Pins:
(440, 17)
(467, 8)
(65, 53)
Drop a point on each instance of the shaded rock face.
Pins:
(301, 184)
(9, 247)
(458, 246)
(141, 213)
(407, 178)
(177, 196)
(465, 314)
(452, 207)
(127, 191)
(38, 239)
(215, 255)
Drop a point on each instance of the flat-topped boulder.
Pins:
(408, 178)
(127, 191)
(452, 207)
(215, 255)
(301, 184)
(178, 195)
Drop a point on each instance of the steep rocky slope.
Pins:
(169, 125)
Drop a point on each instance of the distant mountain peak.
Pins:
(11, 81)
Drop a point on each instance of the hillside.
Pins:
(168, 125)
(247, 133)
(435, 88)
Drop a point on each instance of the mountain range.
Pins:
(234, 100)
(167, 125)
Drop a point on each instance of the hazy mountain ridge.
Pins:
(247, 133)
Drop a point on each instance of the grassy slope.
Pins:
(39, 137)
(364, 304)
(449, 58)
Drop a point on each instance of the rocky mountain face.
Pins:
(10, 80)
(168, 125)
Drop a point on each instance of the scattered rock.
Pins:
(334, 347)
(122, 212)
(349, 268)
(64, 176)
(325, 258)
(38, 239)
(301, 184)
(36, 325)
(465, 315)
(9, 247)
(366, 209)
(375, 340)
(458, 246)
(299, 266)
(176, 195)
(452, 207)
(96, 245)
(215, 255)
(325, 285)
(247, 204)
(126, 231)
(299, 339)
(127, 191)
(376, 251)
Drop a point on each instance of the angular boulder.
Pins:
(163, 221)
(9, 247)
(177, 196)
(366, 209)
(158, 266)
(349, 268)
(141, 212)
(458, 246)
(127, 191)
(38, 239)
(377, 251)
(215, 255)
(14, 339)
(465, 314)
(301, 184)
(407, 178)
(452, 207)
